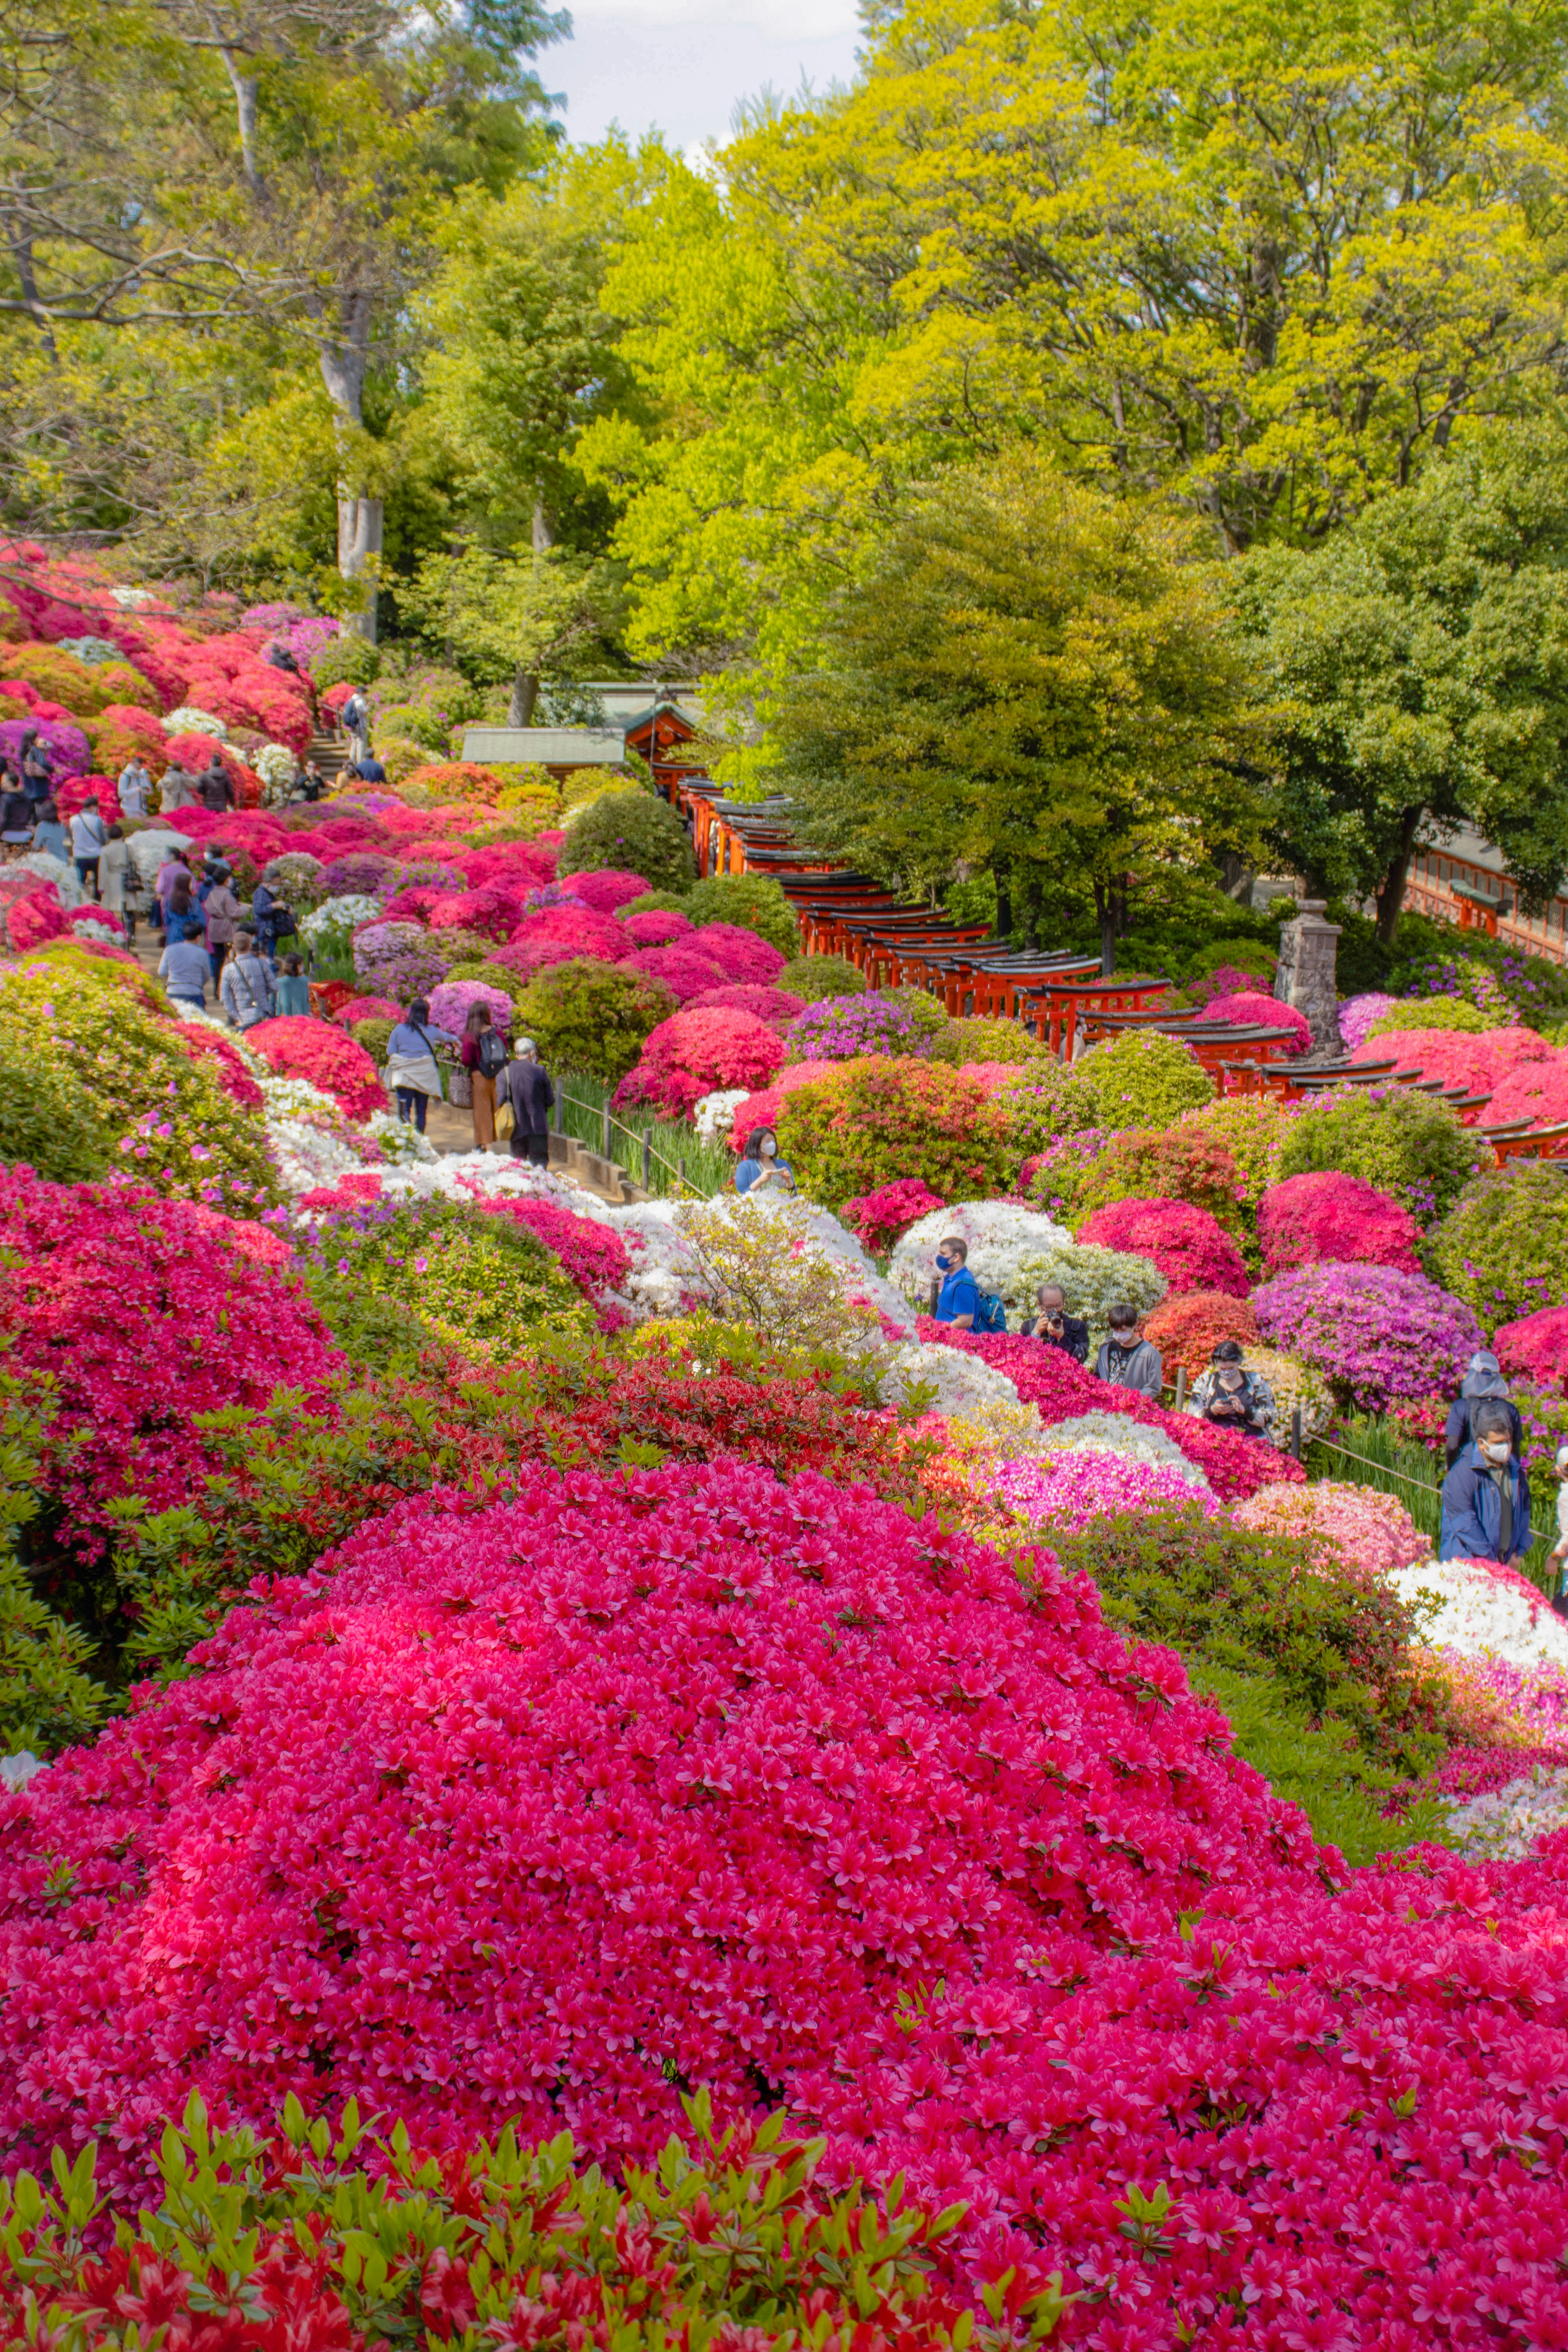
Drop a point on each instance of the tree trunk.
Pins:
(1002, 876)
(1391, 896)
(342, 359)
(526, 682)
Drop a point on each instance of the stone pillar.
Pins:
(1305, 979)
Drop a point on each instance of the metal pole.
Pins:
(680, 1170)
(935, 1295)
(560, 1113)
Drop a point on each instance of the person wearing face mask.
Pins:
(760, 1168)
(1126, 1358)
(1486, 1495)
(1558, 1556)
(1483, 1378)
(957, 1302)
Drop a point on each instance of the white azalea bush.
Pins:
(188, 720)
(149, 849)
(1003, 1241)
(714, 1113)
(1485, 1611)
(337, 918)
(966, 1387)
(1092, 1279)
(274, 763)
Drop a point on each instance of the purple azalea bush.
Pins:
(401, 960)
(360, 874)
(67, 747)
(838, 1028)
(1379, 1338)
(1357, 1014)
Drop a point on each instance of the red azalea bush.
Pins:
(1253, 1008)
(32, 919)
(494, 910)
(608, 888)
(774, 1005)
(1060, 1391)
(763, 1108)
(1534, 1090)
(296, 1046)
(204, 1045)
(694, 1054)
(744, 958)
(656, 927)
(1534, 1347)
(1191, 1249)
(683, 968)
(1188, 1327)
(593, 1255)
(880, 1217)
(1308, 1219)
(134, 1314)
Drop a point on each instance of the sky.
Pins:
(679, 66)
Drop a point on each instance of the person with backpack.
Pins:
(355, 716)
(526, 1088)
(1127, 1360)
(1228, 1396)
(88, 834)
(760, 1167)
(1483, 1378)
(483, 1055)
(412, 1070)
(246, 988)
(1486, 1495)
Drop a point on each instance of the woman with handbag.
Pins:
(483, 1056)
(412, 1071)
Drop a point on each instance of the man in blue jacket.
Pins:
(1486, 1495)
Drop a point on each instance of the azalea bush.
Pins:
(297, 1046)
(983, 1039)
(1191, 1249)
(1367, 1534)
(694, 1053)
(1376, 1335)
(1254, 1008)
(880, 1217)
(473, 1280)
(1476, 1063)
(1537, 1091)
(1397, 1014)
(744, 959)
(453, 1000)
(1189, 1327)
(752, 902)
(630, 830)
(1503, 1248)
(875, 1119)
(400, 961)
(762, 1265)
(769, 1004)
(1177, 1163)
(812, 978)
(1067, 1487)
(49, 1120)
(1142, 1080)
(1357, 1013)
(606, 890)
(591, 1016)
(1299, 1389)
(1406, 1144)
(841, 1028)
(1310, 1219)
(1534, 1347)
(681, 966)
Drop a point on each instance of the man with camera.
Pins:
(1053, 1327)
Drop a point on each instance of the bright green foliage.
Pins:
(475, 1279)
(1434, 1013)
(1027, 676)
(814, 977)
(1503, 1248)
(47, 1121)
(1266, 1604)
(672, 901)
(877, 1119)
(1043, 1102)
(1406, 1143)
(755, 901)
(348, 658)
(590, 1016)
(376, 1037)
(926, 1014)
(1142, 1080)
(1176, 1163)
(984, 1039)
(632, 830)
(738, 2239)
(1252, 1129)
(46, 1696)
(1417, 658)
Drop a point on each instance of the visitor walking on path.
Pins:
(183, 915)
(37, 774)
(483, 1055)
(1231, 1397)
(177, 788)
(412, 1070)
(185, 969)
(134, 786)
(958, 1301)
(527, 1087)
(1483, 1378)
(88, 834)
(246, 990)
(292, 992)
(16, 820)
(1053, 1327)
(113, 871)
(1560, 1549)
(355, 716)
(1486, 1495)
(50, 834)
(760, 1168)
(1127, 1361)
(223, 911)
(169, 873)
(215, 787)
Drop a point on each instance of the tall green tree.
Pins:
(1421, 660)
(1030, 677)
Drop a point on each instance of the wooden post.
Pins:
(607, 1152)
(560, 1112)
(1180, 1388)
(1296, 1430)
(680, 1170)
(935, 1295)
(646, 1161)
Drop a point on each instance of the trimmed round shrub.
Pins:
(1478, 1063)
(348, 659)
(1367, 1533)
(1535, 1090)
(296, 1046)
(455, 780)
(1187, 1328)
(606, 889)
(694, 1054)
(812, 978)
(1406, 1145)
(746, 959)
(1178, 1163)
(1357, 1014)
(472, 1277)
(1534, 1347)
(373, 1036)
(753, 902)
(1403, 1013)
(656, 927)
(1311, 1219)
(927, 1012)
(1376, 1336)
(656, 902)
(1191, 1249)
(1253, 1008)
(682, 967)
(591, 1016)
(1251, 1127)
(878, 1120)
(1144, 1079)
(983, 1039)
(769, 1004)
(843, 1028)
(630, 830)
(1503, 1248)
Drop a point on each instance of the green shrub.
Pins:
(1240, 955)
(591, 1016)
(1043, 1102)
(1435, 1012)
(47, 1700)
(633, 831)
(1092, 1279)
(875, 1119)
(1406, 1143)
(376, 1037)
(814, 977)
(1503, 1247)
(669, 901)
(1252, 1129)
(926, 1015)
(1142, 1080)
(347, 656)
(48, 1118)
(1177, 1163)
(472, 1278)
(755, 901)
(1245, 1602)
(983, 1039)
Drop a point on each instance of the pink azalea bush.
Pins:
(606, 887)
(1069, 1489)
(683, 968)
(296, 1046)
(204, 1045)
(1191, 1249)
(1310, 1219)
(560, 934)
(1357, 1014)
(774, 1005)
(1534, 1090)
(367, 1008)
(1377, 1336)
(1370, 1533)
(1534, 1347)
(1253, 1008)
(1479, 1063)
(451, 1003)
(880, 1217)
(841, 1028)
(746, 959)
(698, 1052)
(656, 927)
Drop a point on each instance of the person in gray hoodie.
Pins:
(1126, 1360)
(1483, 1378)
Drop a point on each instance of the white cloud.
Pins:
(679, 66)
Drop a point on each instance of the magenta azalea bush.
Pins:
(1191, 1249)
(774, 1005)
(841, 1028)
(682, 967)
(695, 1054)
(1377, 1336)
(746, 959)
(1253, 1008)
(604, 890)
(1535, 1348)
(655, 927)
(297, 1046)
(1068, 1489)
(1357, 1014)
(880, 1217)
(1308, 1220)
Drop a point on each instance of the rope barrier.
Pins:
(1406, 1477)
